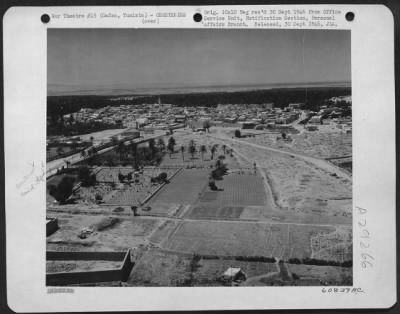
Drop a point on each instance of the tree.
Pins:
(183, 152)
(192, 148)
(170, 148)
(92, 139)
(134, 210)
(213, 150)
(237, 133)
(63, 189)
(224, 148)
(203, 150)
(86, 178)
(129, 176)
(83, 153)
(152, 147)
(172, 141)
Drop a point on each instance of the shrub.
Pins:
(347, 264)
(294, 261)
(84, 175)
(63, 189)
(52, 189)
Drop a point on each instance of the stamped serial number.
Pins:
(342, 290)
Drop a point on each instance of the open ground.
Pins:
(270, 204)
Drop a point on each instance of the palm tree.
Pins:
(192, 148)
(170, 148)
(213, 150)
(203, 150)
(183, 152)
(171, 143)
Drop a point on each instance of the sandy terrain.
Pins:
(293, 205)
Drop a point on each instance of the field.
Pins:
(218, 213)
(298, 186)
(287, 207)
(126, 233)
(237, 190)
(158, 268)
(248, 239)
(184, 188)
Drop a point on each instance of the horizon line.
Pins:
(181, 89)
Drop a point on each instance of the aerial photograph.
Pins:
(199, 158)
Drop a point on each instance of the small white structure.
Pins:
(233, 274)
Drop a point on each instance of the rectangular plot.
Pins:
(241, 190)
(220, 238)
(210, 212)
(185, 187)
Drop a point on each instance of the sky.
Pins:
(80, 59)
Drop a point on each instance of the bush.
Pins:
(347, 264)
(118, 210)
(98, 197)
(237, 133)
(85, 177)
(106, 223)
(52, 189)
(63, 189)
(294, 261)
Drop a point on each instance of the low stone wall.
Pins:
(87, 277)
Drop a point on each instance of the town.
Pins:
(165, 194)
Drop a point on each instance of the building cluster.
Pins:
(148, 117)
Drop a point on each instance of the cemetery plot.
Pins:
(336, 246)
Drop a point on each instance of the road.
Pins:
(320, 163)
